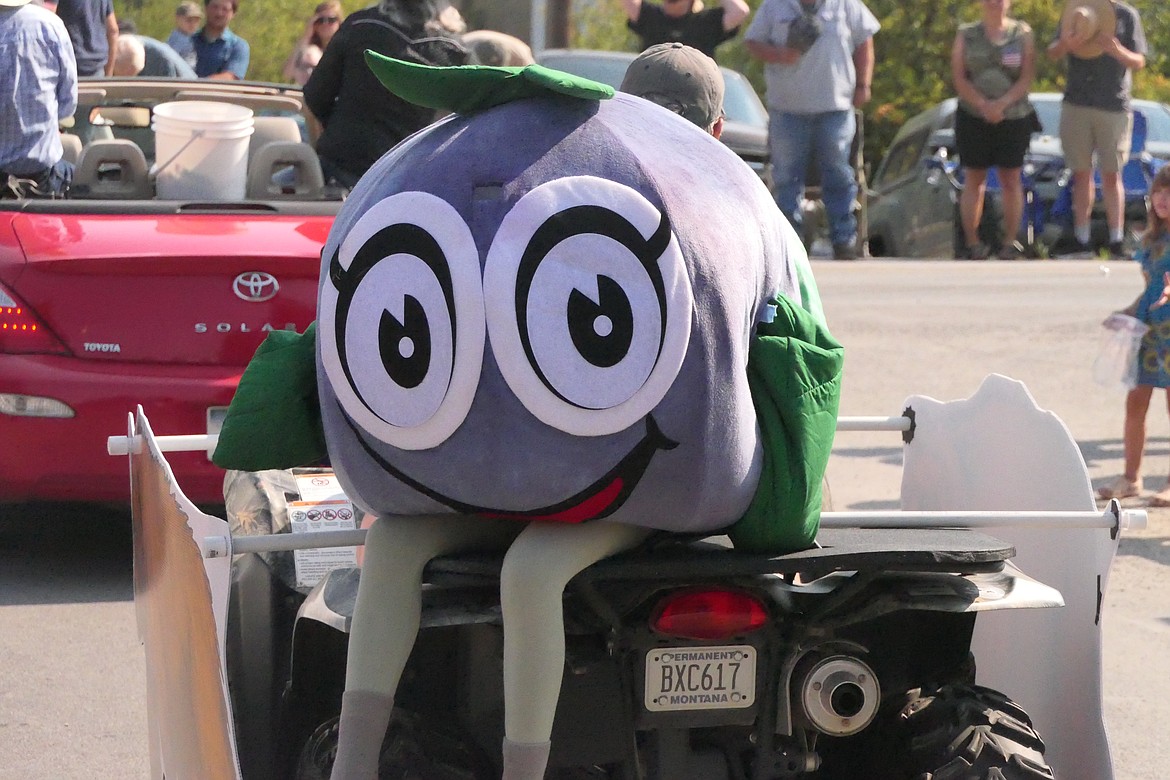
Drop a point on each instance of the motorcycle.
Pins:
(685, 658)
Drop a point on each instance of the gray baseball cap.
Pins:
(680, 78)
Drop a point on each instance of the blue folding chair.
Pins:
(1136, 176)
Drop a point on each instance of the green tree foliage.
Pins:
(913, 47)
(913, 52)
(271, 27)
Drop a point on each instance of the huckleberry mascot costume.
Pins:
(550, 324)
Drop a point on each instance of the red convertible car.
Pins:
(125, 294)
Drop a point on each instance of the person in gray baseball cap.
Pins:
(682, 79)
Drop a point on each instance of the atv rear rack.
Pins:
(1113, 517)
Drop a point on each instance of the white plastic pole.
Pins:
(284, 542)
(899, 423)
(195, 442)
(120, 445)
(1125, 519)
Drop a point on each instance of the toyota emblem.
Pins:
(255, 286)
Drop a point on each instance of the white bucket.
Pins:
(201, 150)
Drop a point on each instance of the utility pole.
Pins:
(557, 30)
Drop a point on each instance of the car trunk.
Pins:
(189, 289)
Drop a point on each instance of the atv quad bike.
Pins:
(879, 653)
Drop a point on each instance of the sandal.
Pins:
(1162, 497)
(1123, 488)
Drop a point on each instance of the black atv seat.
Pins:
(670, 556)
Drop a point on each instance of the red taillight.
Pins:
(717, 613)
(21, 331)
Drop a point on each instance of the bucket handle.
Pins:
(195, 136)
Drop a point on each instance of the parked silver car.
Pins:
(913, 194)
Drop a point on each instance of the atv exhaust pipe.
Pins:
(839, 695)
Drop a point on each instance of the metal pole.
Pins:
(558, 24)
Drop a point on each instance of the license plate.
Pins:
(700, 678)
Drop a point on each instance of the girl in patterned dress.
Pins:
(1154, 354)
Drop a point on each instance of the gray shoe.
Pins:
(977, 251)
(845, 251)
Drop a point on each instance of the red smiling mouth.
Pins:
(598, 500)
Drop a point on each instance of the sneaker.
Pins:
(975, 252)
(1117, 251)
(1012, 251)
(845, 251)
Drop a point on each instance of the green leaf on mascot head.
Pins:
(794, 373)
(468, 88)
(274, 419)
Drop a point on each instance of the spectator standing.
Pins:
(219, 52)
(93, 29)
(681, 79)
(685, 21)
(319, 30)
(361, 120)
(818, 57)
(38, 89)
(188, 16)
(139, 55)
(993, 62)
(689, 83)
(1154, 353)
(1102, 42)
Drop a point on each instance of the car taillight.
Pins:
(21, 331)
(711, 613)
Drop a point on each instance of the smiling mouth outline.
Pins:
(600, 499)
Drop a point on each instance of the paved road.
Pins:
(71, 681)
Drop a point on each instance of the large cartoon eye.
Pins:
(402, 321)
(590, 304)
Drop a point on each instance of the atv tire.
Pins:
(967, 732)
(411, 750)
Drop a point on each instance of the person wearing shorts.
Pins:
(1103, 43)
(993, 62)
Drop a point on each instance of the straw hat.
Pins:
(1091, 17)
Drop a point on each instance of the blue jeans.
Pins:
(827, 137)
(52, 182)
